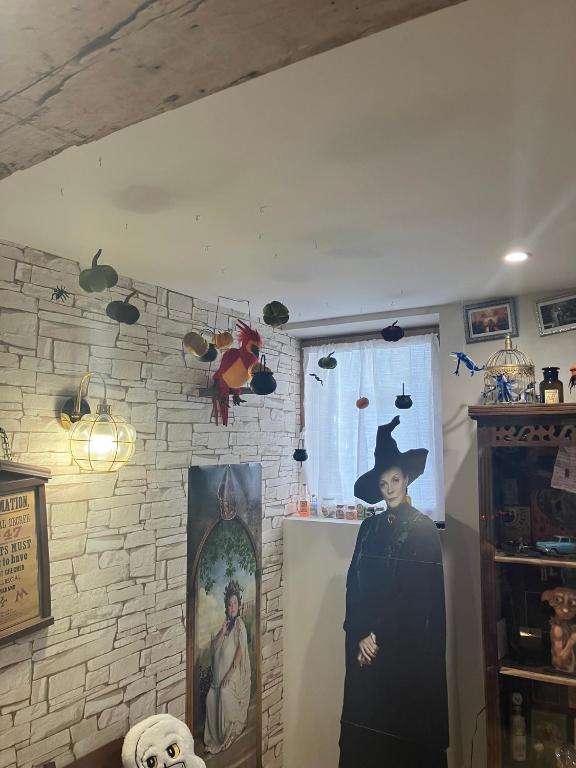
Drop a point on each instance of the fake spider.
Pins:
(60, 294)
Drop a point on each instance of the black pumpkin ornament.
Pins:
(300, 454)
(98, 277)
(262, 381)
(275, 314)
(328, 362)
(403, 401)
(392, 332)
(210, 355)
(123, 311)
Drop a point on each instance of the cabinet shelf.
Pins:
(541, 562)
(542, 674)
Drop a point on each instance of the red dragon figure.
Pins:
(234, 371)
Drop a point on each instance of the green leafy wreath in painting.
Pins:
(228, 541)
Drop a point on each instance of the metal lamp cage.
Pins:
(100, 442)
(509, 377)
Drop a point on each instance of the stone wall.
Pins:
(116, 652)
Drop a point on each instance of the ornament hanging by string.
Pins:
(362, 403)
(123, 311)
(262, 381)
(403, 401)
(392, 332)
(98, 277)
(329, 362)
(300, 454)
(275, 314)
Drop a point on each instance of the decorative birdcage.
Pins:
(509, 377)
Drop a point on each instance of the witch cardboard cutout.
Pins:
(395, 711)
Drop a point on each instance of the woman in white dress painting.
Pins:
(229, 695)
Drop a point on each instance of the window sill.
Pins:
(317, 519)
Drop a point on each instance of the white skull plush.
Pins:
(160, 741)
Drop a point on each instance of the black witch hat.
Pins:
(387, 455)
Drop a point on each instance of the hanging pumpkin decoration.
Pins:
(328, 362)
(392, 332)
(262, 381)
(123, 311)
(275, 314)
(98, 277)
(362, 403)
(403, 401)
(300, 454)
(210, 355)
(195, 344)
(223, 340)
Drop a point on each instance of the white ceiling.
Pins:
(390, 173)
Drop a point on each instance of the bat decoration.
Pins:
(60, 294)
(465, 360)
(315, 376)
(572, 383)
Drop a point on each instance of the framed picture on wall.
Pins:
(557, 314)
(488, 320)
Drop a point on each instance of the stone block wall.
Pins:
(116, 652)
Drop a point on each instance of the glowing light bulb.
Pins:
(102, 446)
(516, 257)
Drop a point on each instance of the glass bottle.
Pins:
(328, 506)
(518, 739)
(313, 505)
(551, 388)
(304, 502)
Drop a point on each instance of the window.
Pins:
(340, 438)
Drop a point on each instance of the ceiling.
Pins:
(390, 173)
(72, 72)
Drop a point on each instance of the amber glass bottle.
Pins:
(551, 388)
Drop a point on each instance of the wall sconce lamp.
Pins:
(99, 442)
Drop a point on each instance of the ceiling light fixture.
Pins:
(99, 442)
(516, 257)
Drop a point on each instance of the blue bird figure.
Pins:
(470, 364)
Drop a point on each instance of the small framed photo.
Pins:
(549, 727)
(557, 314)
(488, 320)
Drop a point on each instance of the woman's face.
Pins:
(393, 486)
(232, 607)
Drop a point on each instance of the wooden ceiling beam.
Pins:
(72, 72)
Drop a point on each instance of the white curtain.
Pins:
(340, 438)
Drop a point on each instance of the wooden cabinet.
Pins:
(517, 451)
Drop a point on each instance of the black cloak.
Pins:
(395, 711)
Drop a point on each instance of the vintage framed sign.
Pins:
(24, 563)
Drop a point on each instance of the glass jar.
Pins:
(340, 512)
(360, 511)
(551, 388)
(328, 507)
(351, 513)
(370, 511)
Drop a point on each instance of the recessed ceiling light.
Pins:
(515, 257)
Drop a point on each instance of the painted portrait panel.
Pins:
(224, 614)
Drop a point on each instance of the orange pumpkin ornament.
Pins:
(223, 340)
